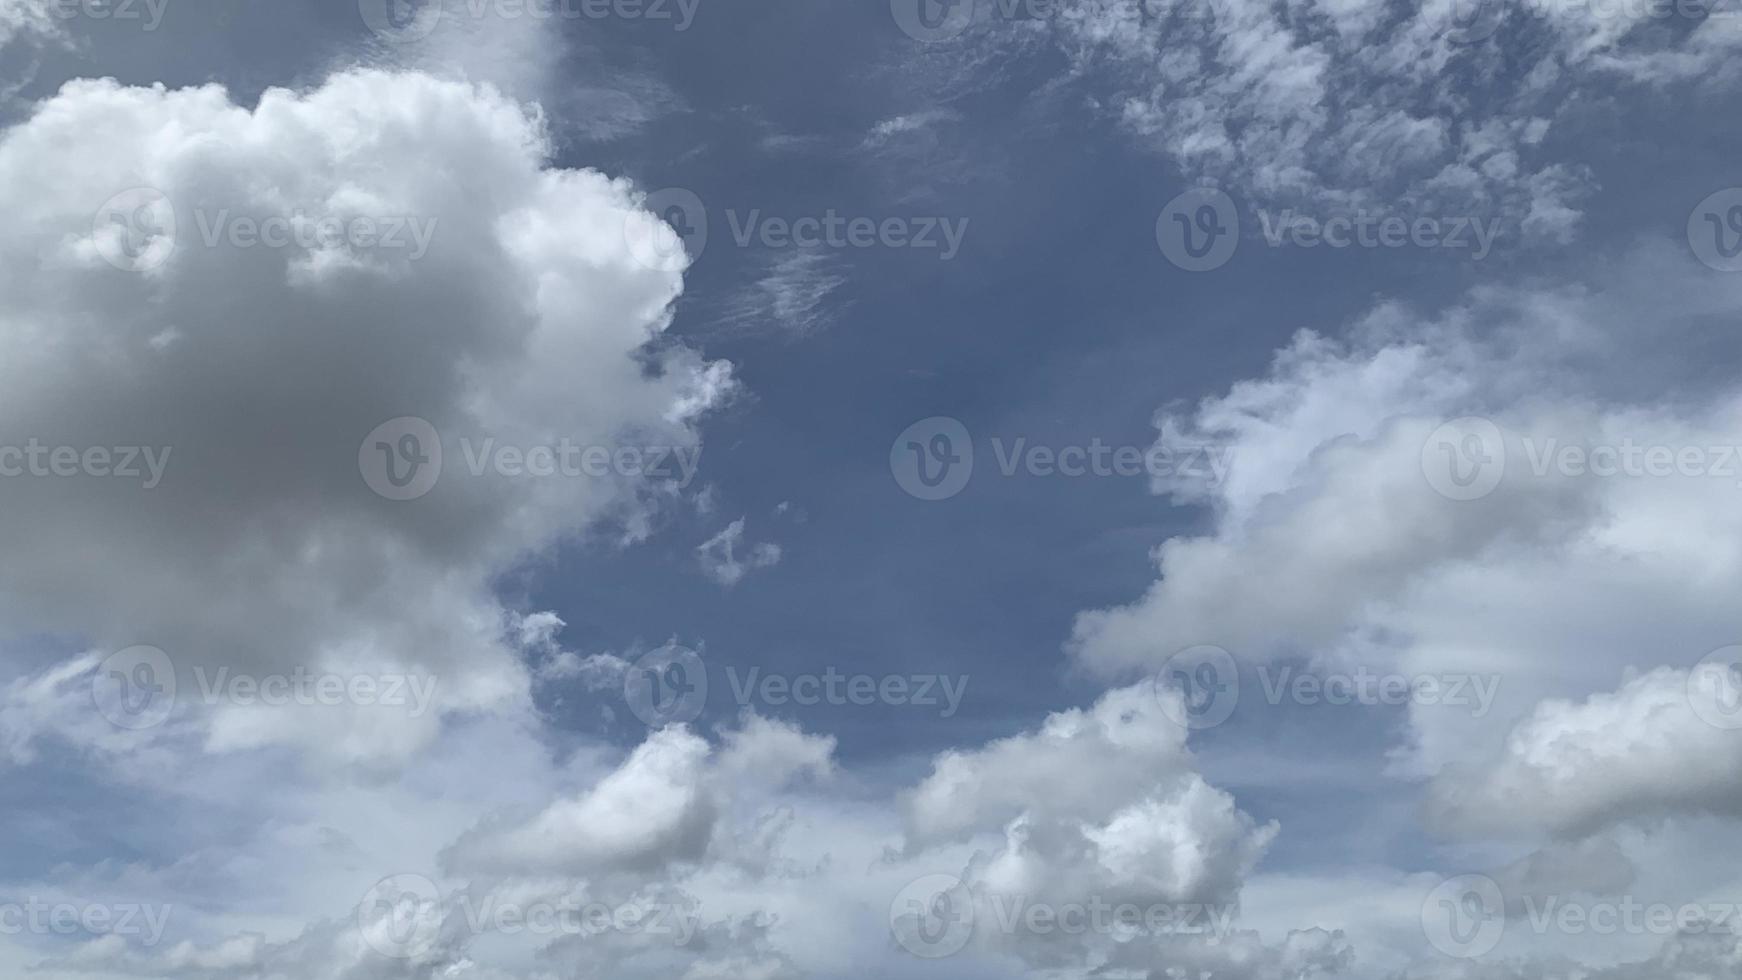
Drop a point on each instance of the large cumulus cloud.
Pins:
(533, 317)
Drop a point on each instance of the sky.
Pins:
(1152, 489)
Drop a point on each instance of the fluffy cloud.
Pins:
(1097, 805)
(1339, 540)
(661, 807)
(525, 316)
(1569, 768)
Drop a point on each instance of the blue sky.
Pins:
(1391, 636)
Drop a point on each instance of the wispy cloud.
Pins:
(791, 298)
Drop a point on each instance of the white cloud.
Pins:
(726, 559)
(1331, 543)
(261, 370)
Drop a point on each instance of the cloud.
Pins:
(720, 555)
(26, 18)
(1337, 539)
(258, 371)
(792, 298)
(1569, 768)
(1440, 107)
